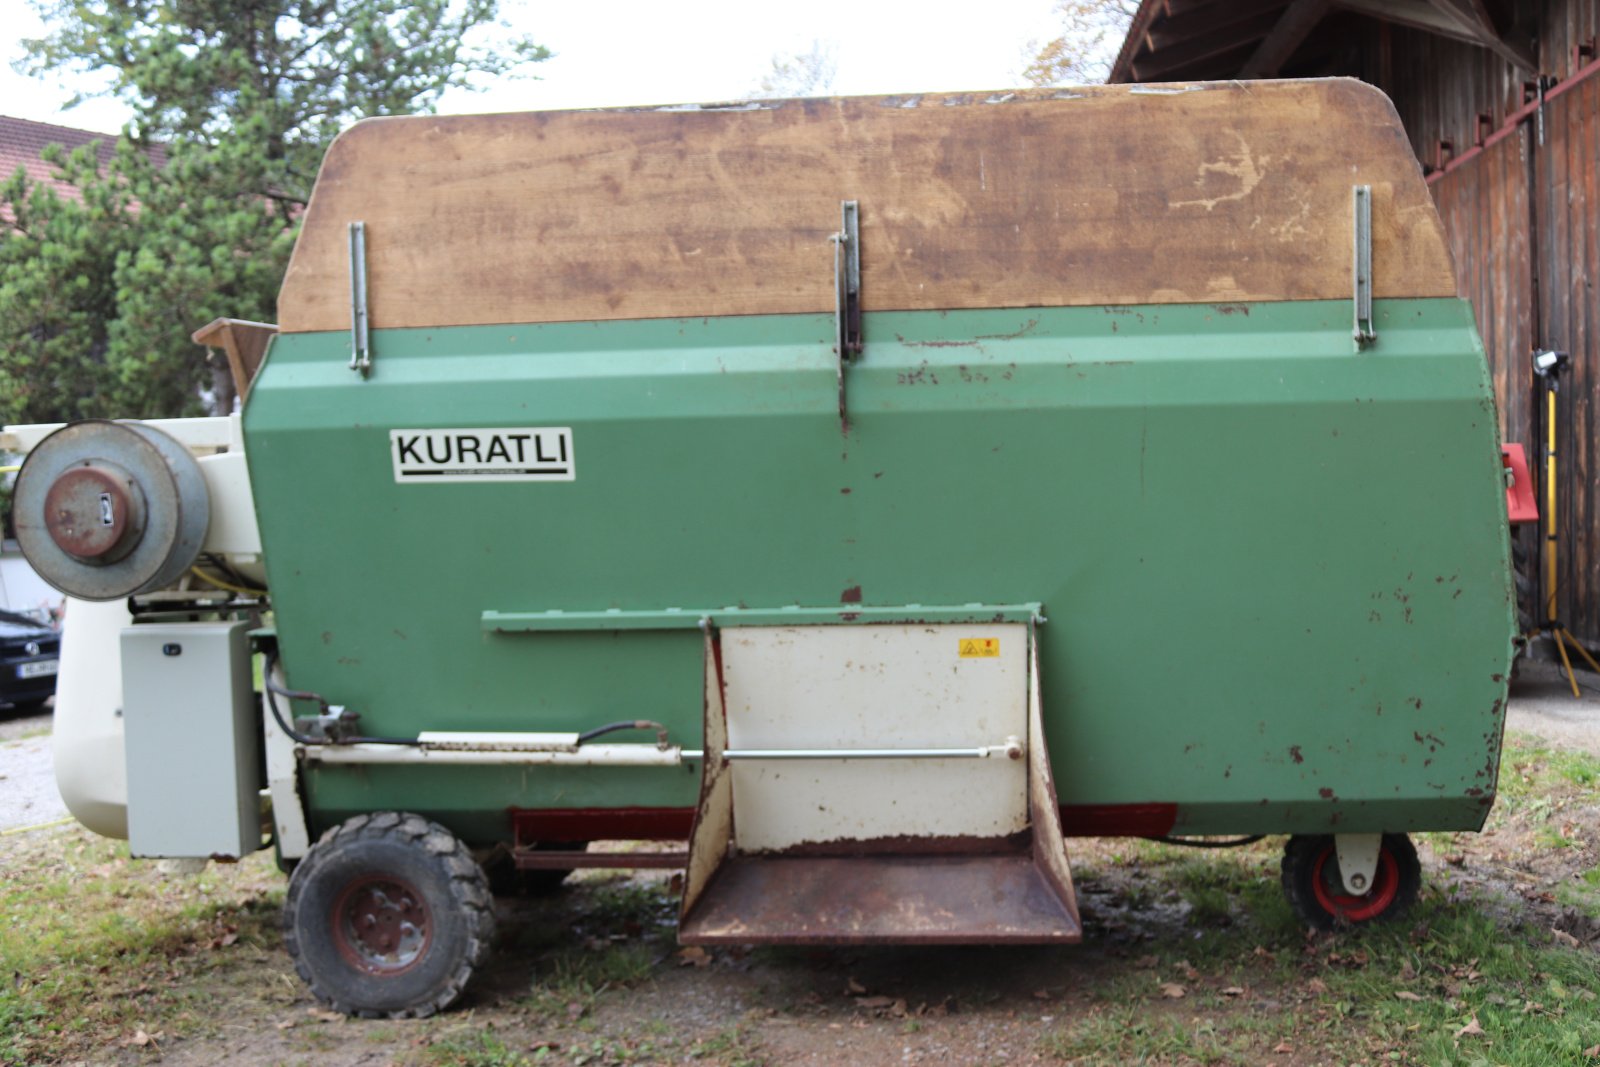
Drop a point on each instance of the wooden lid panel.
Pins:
(1090, 196)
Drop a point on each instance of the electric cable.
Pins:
(305, 739)
(627, 724)
(1195, 842)
(228, 587)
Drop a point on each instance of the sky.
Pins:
(619, 52)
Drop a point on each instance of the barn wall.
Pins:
(1567, 264)
(1516, 187)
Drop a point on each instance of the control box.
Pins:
(193, 740)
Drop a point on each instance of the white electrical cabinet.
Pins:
(193, 740)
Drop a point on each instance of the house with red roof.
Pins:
(22, 144)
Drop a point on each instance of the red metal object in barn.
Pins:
(1521, 506)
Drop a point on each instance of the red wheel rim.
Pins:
(381, 925)
(1328, 886)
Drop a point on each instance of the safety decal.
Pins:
(980, 647)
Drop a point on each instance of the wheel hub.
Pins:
(381, 925)
(1329, 888)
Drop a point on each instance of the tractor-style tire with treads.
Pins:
(388, 915)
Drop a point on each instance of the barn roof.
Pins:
(1183, 40)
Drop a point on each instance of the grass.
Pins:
(96, 949)
(1192, 958)
(1531, 772)
(1130, 1034)
(1393, 993)
(622, 933)
(476, 1048)
(1450, 985)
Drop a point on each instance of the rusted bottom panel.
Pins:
(527, 859)
(853, 900)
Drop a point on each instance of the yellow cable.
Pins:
(41, 826)
(1550, 504)
(220, 584)
(8, 470)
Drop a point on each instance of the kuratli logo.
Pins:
(542, 454)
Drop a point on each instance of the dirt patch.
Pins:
(1537, 860)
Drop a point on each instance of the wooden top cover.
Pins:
(1199, 193)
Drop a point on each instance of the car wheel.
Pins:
(388, 915)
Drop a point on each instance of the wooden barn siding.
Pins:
(1521, 218)
(1568, 262)
(1485, 210)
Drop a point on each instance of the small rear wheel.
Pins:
(388, 915)
(1315, 887)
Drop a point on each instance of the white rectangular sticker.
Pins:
(540, 454)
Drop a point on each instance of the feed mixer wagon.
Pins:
(859, 498)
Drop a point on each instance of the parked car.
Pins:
(29, 660)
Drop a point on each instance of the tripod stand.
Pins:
(1548, 366)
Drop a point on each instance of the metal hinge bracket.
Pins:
(1358, 860)
(1365, 334)
(360, 349)
(847, 290)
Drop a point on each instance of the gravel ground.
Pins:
(28, 794)
(1541, 704)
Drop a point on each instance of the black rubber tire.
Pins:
(27, 708)
(1310, 858)
(392, 851)
(1524, 567)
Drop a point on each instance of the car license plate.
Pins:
(39, 669)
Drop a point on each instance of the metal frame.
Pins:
(556, 621)
(360, 345)
(1358, 860)
(1366, 335)
(847, 292)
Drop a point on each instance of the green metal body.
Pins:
(1274, 570)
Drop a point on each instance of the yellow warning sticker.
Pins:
(980, 647)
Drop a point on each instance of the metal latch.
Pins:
(847, 291)
(1364, 333)
(360, 351)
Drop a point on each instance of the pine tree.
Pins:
(195, 214)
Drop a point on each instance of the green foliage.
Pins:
(479, 1048)
(194, 214)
